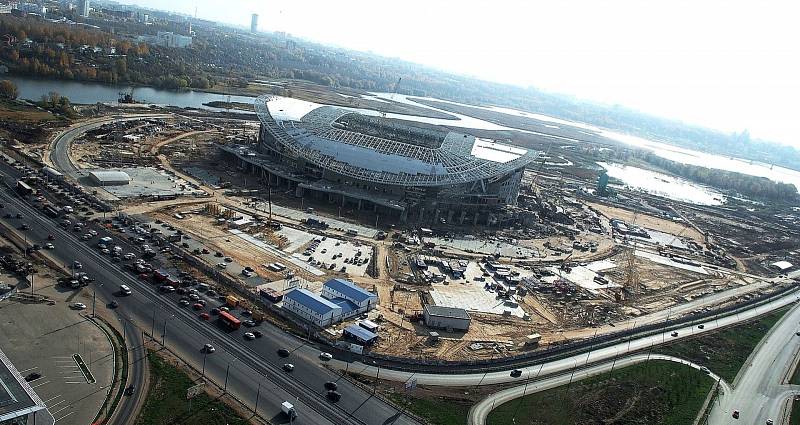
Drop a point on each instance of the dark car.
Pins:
(516, 373)
(257, 333)
(32, 376)
(129, 390)
(283, 352)
(114, 304)
(214, 310)
(334, 396)
(331, 386)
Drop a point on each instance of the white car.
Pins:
(325, 356)
(288, 367)
(249, 336)
(78, 306)
(49, 246)
(208, 348)
(222, 265)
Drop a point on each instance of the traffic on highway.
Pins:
(184, 319)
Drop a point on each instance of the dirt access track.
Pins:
(650, 222)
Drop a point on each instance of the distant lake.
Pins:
(89, 93)
(663, 185)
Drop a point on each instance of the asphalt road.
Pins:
(617, 351)
(253, 368)
(60, 153)
(759, 392)
(479, 412)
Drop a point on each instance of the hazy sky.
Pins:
(723, 64)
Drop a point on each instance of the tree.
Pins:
(8, 90)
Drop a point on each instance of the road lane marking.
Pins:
(56, 404)
(29, 369)
(39, 385)
(52, 398)
(63, 416)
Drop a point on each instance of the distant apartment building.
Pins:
(6, 8)
(254, 23)
(84, 8)
(32, 8)
(167, 39)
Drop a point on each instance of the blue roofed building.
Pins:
(346, 290)
(312, 307)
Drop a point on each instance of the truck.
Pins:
(231, 301)
(288, 410)
(51, 211)
(24, 189)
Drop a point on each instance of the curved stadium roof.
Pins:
(460, 158)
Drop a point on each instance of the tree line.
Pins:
(745, 184)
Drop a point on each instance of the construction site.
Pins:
(540, 257)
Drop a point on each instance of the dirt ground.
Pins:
(650, 222)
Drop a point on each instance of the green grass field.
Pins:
(656, 392)
(725, 352)
(436, 411)
(167, 404)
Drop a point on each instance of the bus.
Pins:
(229, 320)
(24, 189)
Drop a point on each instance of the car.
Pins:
(51, 238)
(247, 313)
(331, 386)
(334, 396)
(211, 293)
(201, 302)
(166, 288)
(78, 306)
(214, 310)
(194, 297)
(258, 333)
(218, 254)
(208, 348)
(674, 334)
(19, 215)
(32, 376)
(735, 414)
(184, 302)
(288, 367)
(516, 373)
(701, 326)
(222, 265)
(197, 306)
(249, 336)
(228, 259)
(129, 390)
(204, 316)
(25, 226)
(76, 265)
(770, 422)
(704, 370)
(283, 352)
(249, 323)
(204, 251)
(114, 304)
(49, 246)
(225, 309)
(325, 356)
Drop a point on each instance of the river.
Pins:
(88, 93)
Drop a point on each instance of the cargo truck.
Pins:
(288, 410)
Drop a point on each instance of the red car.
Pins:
(204, 316)
(144, 276)
(197, 306)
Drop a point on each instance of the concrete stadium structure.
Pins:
(389, 166)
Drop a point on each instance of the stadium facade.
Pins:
(390, 166)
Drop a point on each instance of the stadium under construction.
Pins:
(423, 175)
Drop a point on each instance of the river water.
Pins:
(88, 93)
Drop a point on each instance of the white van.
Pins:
(125, 290)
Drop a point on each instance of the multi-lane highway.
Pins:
(253, 368)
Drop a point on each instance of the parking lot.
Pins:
(338, 255)
(42, 339)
